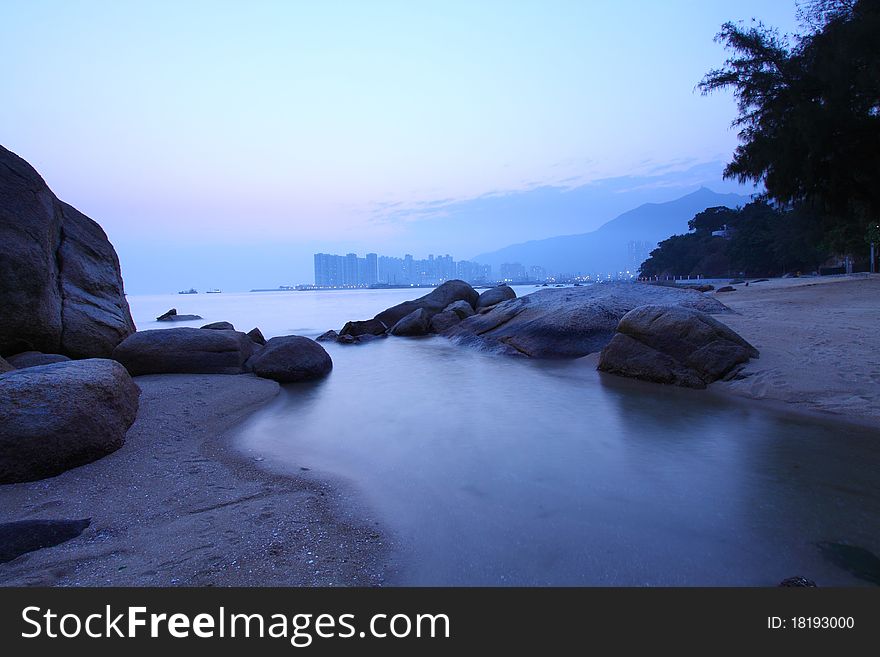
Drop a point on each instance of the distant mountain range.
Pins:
(620, 244)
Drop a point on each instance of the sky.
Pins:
(220, 144)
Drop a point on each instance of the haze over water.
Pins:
(497, 471)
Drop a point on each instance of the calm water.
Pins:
(507, 471)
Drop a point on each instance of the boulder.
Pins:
(673, 344)
(184, 350)
(172, 316)
(461, 308)
(495, 295)
(59, 416)
(328, 336)
(35, 358)
(433, 302)
(567, 322)
(60, 285)
(414, 324)
(366, 327)
(445, 320)
(5, 366)
(291, 358)
(256, 336)
(219, 326)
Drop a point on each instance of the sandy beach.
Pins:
(819, 344)
(177, 505)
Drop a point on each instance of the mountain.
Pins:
(620, 244)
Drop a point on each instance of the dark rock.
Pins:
(676, 345)
(737, 282)
(219, 326)
(445, 320)
(461, 308)
(700, 288)
(433, 302)
(569, 322)
(5, 366)
(414, 324)
(366, 327)
(291, 358)
(726, 288)
(60, 286)
(34, 359)
(797, 582)
(328, 336)
(56, 417)
(346, 339)
(256, 336)
(23, 536)
(761, 280)
(184, 350)
(495, 295)
(172, 316)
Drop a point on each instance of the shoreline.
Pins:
(179, 505)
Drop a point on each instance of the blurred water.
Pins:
(495, 471)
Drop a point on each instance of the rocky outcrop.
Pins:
(172, 316)
(443, 321)
(461, 308)
(433, 302)
(60, 284)
(256, 336)
(567, 322)
(184, 350)
(290, 359)
(219, 326)
(35, 359)
(366, 327)
(676, 345)
(415, 324)
(495, 296)
(56, 417)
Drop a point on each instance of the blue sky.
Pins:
(288, 126)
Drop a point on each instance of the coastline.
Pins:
(179, 505)
(819, 346)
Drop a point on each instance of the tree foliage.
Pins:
(809, 114)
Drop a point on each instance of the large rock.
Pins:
(568, 322)
(184, 350)
(366, 327)
(5, 366)
(495, 295)
(291, 358)
(56, 417)
(34, 359)
(444, 320)
(414, 324)
(461, 308)
(60, 284)
(219, 326)
(672, 344)
(433, 302)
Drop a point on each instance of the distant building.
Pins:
(351, 271)
(512, 271)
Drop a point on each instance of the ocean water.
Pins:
(498, 471)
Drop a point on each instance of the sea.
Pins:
(496, 471)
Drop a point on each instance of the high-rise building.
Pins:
(371, 270)
(513, 271)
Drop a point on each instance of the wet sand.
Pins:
(179, 505)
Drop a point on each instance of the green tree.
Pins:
(809, 114)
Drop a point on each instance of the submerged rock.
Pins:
(328, 336)
(184, 350)
(291, 358)
(568, 322)
(415, 324)
(366, 327)
(495, 296)
(433, 302)
(219, 326)
(34, 359)
(60, 285)
(172, 316)
(56, 417)
(672, 344)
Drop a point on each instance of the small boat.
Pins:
(216, 290)
(191, 290)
